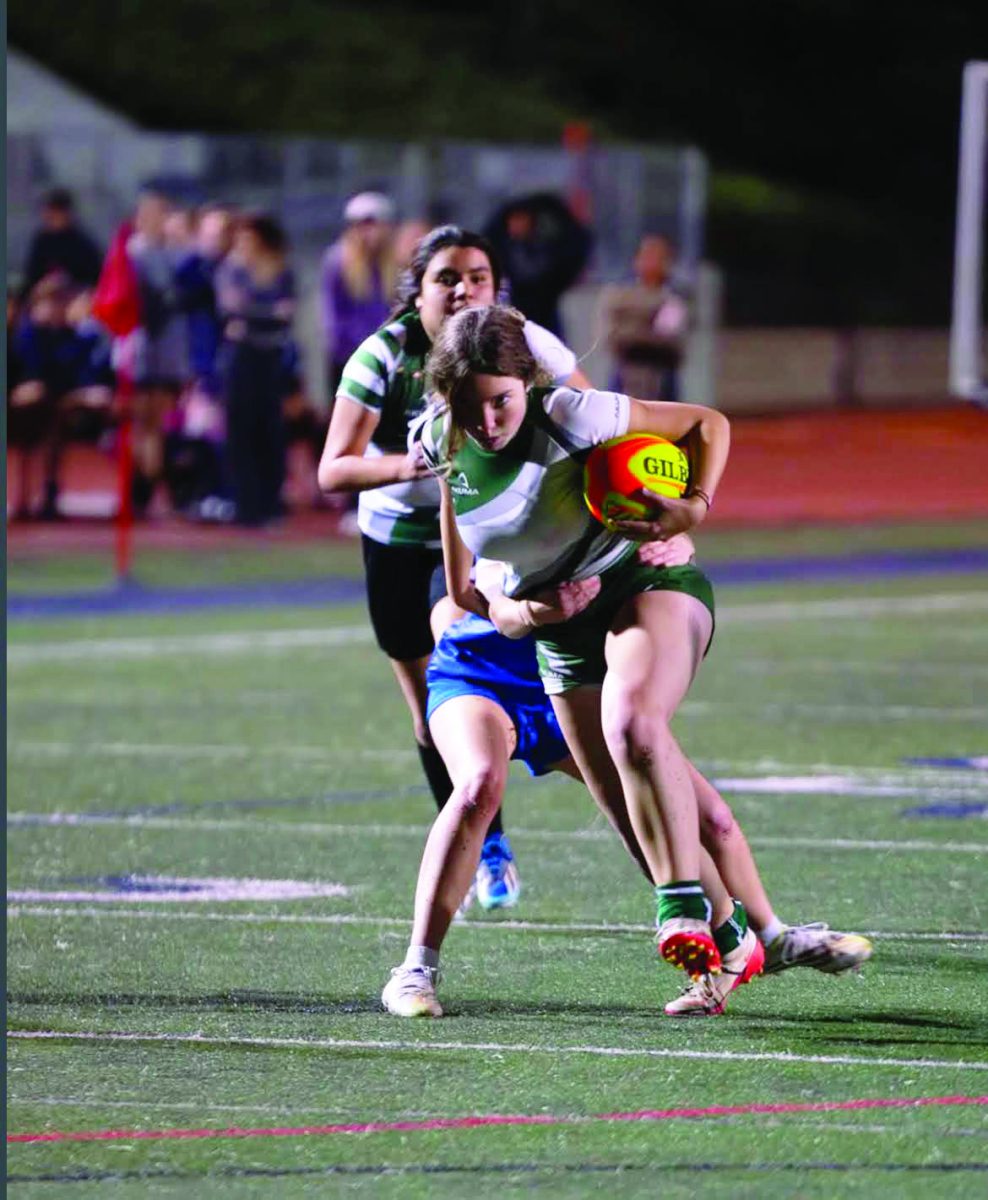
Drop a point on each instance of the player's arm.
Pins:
(457, 559)
(709, 435)
(343, 467)
(518, 618)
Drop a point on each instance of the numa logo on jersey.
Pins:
(459, 485)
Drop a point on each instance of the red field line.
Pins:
(495, 1119)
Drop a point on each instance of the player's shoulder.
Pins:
(387, 344)
(431, 429)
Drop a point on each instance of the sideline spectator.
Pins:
(358, 280)
(161, 344)
(64, 384)
(256, 294)
(543, 249)
(181, 226)
(195, 281)
(61, 246)
(646, 323)
(197, 470)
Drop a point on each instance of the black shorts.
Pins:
(403, 585)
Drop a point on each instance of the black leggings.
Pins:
(255, 432)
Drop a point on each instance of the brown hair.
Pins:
(478, 341)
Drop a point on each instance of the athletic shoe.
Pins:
(411, 992)
(816, 945)
(707, 996)
(688, 943)
(467, 902)
(498, 885)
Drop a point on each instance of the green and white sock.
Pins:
(728, 937)
(682, 898)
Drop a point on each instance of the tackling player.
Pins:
(381, 392)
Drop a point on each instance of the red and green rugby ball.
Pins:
(617, 469)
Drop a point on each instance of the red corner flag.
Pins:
(117, 305)
(116, 301)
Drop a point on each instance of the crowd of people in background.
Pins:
(219, 395)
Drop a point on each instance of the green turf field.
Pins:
(273, 746)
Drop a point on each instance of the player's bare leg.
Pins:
(653, 651)
(476, 739)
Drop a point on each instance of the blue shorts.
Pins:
(473, 659)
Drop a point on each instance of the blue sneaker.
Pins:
(498, 885)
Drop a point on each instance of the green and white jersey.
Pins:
(386, 374)
(520, 509)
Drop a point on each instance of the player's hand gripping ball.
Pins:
(618, 469)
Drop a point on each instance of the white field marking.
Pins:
(781, 1056)
(857, 712)
(195, 1105)
(854, 609)
(953, 781)
(844, 666)
(250, 642)
(164, 645)
(845, 785)
(15, 911)
(161, 889)
(24, 820)
(195, 750)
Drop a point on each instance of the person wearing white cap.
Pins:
(357, 280)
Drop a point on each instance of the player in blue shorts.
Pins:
(486, 705)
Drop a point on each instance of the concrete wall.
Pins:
(775, 370)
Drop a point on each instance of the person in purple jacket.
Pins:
(357, 281)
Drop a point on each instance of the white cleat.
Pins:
(411, 992)
(817, 946)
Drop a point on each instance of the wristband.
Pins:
(703, 496)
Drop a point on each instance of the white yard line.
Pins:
(784, 1057)
(167, 645)
(876, 713)
(854, 608)
(856, 666)
(262, 827)
(197, 750)
(821, 774)
(192, 1105)
(16, 910)
(251, 642)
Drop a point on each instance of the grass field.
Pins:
(271, 745)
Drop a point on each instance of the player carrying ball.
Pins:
(618, 642)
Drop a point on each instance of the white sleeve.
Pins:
(489, 577)
(553, 355)
(429, 429)
(589, 417)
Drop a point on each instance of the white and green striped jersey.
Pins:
(522, 507)
(386, 374)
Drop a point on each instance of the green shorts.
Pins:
(571, 655)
